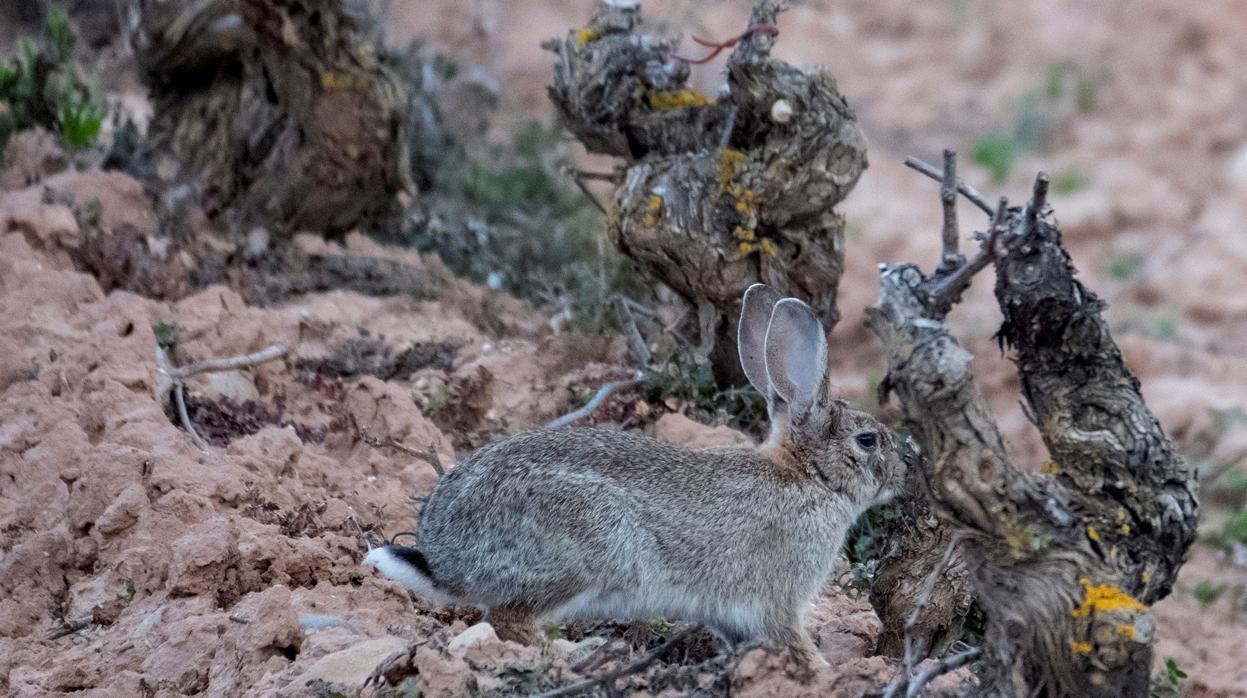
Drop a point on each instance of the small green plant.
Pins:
(693, 383)
(130, 590)
(997, 154)
(1168, 684)
(40, 86)
(80, 120)
(1232, 533)
(1207, 593)
(166, 334)
(1069, 181)
(1125, 265)
(863, 544)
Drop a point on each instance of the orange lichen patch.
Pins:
(585, 35)
(1080, 647)
(1050, 468)
(1103, 598)
(1126, 632)
(769, 247)
(655, 202)
(746, 248)
(676, 99)
(745, 234)
(1093, 534)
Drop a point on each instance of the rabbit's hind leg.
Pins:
(515, 622)
(795, 642)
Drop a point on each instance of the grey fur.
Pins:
(592, 522)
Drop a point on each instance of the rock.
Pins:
(30, 156)
(124, 510)
(682, 431)
(232, 385)
(42, 224)
(352, 666)
(481, 632)
(123, 205)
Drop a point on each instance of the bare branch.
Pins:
(180, 399)
(628, 323)
(428, 456)
(229, 364)
(170, 378)
(940, 668)
(1039, 199)
(913, 652)
(966, 190)
(945, 291)
(600, 397)
(951, 258)
(646, 661)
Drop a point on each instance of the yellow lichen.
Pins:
(1093, 534)
(655, 202)
(746, 247)
(676, 99)
(1126, 632)
(744, 203)
(1146, 576)
(744, 234)
(1081, 647)
(769, 247)
(1050, 468)
(1125, 529)
(333, 80)
(585, 35)
(729, 161)
(1103, 598)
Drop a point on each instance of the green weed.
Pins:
(1233, 532)
(1207, 593)
(1168, 684)
(1125, 265)
(997, 153)
(40, 86)
(1069, 181)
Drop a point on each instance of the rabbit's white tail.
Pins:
(407, 566)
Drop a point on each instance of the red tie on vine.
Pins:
(719, 46)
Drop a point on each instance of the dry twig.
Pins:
(600, 397)
(170, 378)
(646, 661)
(429, 455)
(966, 190)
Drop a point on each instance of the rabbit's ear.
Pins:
(755, 316)
(796, 356)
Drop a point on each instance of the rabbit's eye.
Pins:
(868, 440)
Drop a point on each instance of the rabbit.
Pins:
(594, 523)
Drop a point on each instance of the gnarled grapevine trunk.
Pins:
(281, 108)
(1065, 563)
(715, 194)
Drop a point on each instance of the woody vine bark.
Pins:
(714, 194)
(1065, 562)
